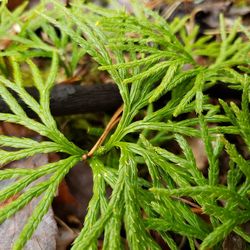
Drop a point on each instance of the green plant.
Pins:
(147, 58)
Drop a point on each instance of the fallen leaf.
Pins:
(80, 183)
(74, 194)
(12, 129)
(44, 237)
(65, 235)
(64, 239)
(234, 242)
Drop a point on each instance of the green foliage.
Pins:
(147, 58)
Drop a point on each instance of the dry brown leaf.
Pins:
(12, 129)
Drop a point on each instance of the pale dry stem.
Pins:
(113, 121)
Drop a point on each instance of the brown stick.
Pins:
(113, 121)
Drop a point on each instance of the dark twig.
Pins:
(69, 99)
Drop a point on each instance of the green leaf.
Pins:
(44, 204)
(43, 147)
(238, 159)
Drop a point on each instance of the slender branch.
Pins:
(113, 121)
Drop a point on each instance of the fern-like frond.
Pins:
(155, 189)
